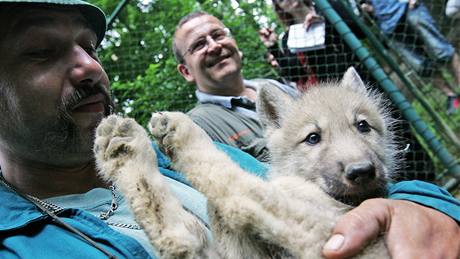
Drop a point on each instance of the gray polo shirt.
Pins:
(233, 120)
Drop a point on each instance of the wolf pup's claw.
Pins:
(117, 141)
(174, 130)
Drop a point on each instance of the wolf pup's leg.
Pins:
(193, 153)
(124, 156)
(241, 200)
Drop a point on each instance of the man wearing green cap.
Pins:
(53, 94)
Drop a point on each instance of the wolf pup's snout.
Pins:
(360, 173)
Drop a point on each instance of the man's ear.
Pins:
(183, 70)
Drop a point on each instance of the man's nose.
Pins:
(86, 69)
(213, 45)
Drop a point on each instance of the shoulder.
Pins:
(427, 194)
(204, 108)
(206, 113)
(259, 82)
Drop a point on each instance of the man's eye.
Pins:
(41, 53)
(197, 46)
(219, 35)
(91, 51)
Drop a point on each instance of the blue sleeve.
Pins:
(244, 160)
(423, 193)
(426, 194)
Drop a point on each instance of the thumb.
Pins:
(357, 228)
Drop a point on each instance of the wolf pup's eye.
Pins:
(313, 139)
(363, 126)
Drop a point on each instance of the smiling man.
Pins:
(53, 94)
(208, 56)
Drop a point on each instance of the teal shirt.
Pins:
(26, 233)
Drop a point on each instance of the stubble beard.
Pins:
(55, 139)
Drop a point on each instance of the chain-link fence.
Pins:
(139, 60)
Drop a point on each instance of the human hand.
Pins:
(411, 231)
(272, 60)
(311, 18)
(412, 4)
(268, 37)
(367, 8)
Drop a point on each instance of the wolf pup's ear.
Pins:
(271, 103)
(352, 80)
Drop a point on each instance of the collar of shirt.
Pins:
(225, 101)
(235, 103)
(242, 104)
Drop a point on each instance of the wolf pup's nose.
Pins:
(360, 173)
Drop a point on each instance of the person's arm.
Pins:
(269, 39)
(426, 194)
(312, 17)
(423, 193)
(412, 4)
(420, 220)
(368, 8)
(412, 230)
(279, 56)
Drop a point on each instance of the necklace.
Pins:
(53, 208)
(113, 205)
(50, 210)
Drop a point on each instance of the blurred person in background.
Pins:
(417, 38)
(306, 68)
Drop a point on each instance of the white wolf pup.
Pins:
(330, 147)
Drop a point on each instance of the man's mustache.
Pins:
(85, 91)
(212, 60)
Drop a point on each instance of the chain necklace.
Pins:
(56, 209)
(113, 205)
(51, 210)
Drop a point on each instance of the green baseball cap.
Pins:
(93, 14)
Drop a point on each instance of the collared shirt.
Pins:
(242, 104)
(232, 120)
(229, 102)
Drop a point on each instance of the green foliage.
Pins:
(138, 57)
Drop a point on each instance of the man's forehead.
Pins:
(200, 25)
(43, 17)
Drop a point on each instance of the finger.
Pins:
(263, 31)
(308, 21)
(357, 228)
(274, 64)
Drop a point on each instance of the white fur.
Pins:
(124, 156)
(290, 215)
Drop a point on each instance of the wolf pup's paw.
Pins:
(174, 131)
(117, 141)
